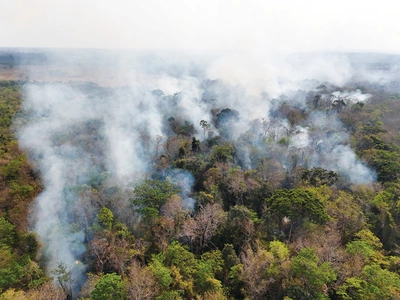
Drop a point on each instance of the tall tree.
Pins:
(204, 225)
(151, 195)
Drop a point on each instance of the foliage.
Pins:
(105, 217)
(266, 223)
(297, 204)
(319, 176)
(295, 207)
(263, 272)
(309, 276)
(151, 194)
(204, 225)
(10, 271)
(109, 287)
(222, 153)
(7, 233)
(64, 279)
(374, 283)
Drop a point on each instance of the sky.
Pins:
(274, 26)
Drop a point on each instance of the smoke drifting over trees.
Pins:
(148, 151)
(81, 135)
(253, 154)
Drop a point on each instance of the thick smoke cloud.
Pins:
(80, 134)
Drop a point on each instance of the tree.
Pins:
(296, 205)
(32, 275)
(386, 163)
(64, 279)
(319, 176)
(207, 268)
(222, 153)
(89, 285)
(382, 218)
(105, 217)
(324, 239)
(348, 213)
(230, 271)
(142, 283)
(205, 126)
(11, 271)
(182, 265)
(111, 251)
(195, 145)
(374, 283)
(204, 225)
(7, 232)
(11, 294)
(272, 172)
(236, 184)
(109, 287)
(263, 271)
(47, 291)
(151, 195)
(367, 246)
(161, 273)
(241, 225)
(168, 226)
(184, 128)
(310, 278)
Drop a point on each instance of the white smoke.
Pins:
(351, 96)
(347, 164)
(80, 134)
(184, 180)
(301, 138)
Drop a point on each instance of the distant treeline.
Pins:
(22, 58)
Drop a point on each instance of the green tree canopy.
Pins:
(310, 276)
(109, 287)
(151, 194)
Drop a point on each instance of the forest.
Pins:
(301, 204)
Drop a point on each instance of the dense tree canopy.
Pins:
(221, 215)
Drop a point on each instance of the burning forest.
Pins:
(202, 150)
(169, 183)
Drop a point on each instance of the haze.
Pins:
(268, 26)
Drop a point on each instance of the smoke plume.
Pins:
(82, 134)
